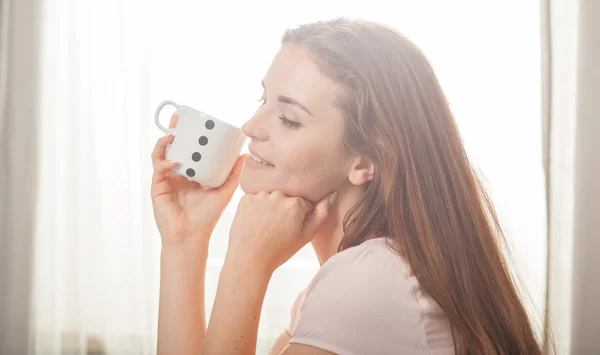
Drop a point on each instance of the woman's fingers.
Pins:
(319, 214)
(233, 180)
(172, 124)
(159, 152)
(164, 166)
(162, 169)
(174, 119)
(160, 165)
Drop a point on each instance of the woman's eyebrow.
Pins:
(288, 100)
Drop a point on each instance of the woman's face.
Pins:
(297, 131)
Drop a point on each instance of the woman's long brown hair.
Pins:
(425, 193)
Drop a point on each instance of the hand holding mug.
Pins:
(185, 210)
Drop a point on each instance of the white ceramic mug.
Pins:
(205, 147)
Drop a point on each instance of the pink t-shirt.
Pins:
(365, 300)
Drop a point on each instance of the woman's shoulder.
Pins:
(372, 269)
(366, 296)
(377, 252)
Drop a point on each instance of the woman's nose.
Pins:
(255, 128)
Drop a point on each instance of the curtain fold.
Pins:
(19, 94)
(571, 129)
(586, 245)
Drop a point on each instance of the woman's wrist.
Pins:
(247, 263)
(196, 243)
(184, 251)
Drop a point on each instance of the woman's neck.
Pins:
(326, 242)
(327, 239)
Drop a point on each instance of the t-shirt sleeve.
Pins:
(362, 303)
(295, 311)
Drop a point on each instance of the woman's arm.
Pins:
(282, 346)
(282, 341)
(268, 229)
(186, 214)
(181, 318)
(233, 326)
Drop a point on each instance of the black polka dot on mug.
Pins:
(190, 172)
(210, 124)
(196, 157)
(203, 140)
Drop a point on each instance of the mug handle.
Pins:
(158, 109)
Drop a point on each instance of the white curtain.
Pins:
(107, 64)
(19, 53)
(572, 136)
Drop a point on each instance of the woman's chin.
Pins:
(251, 187)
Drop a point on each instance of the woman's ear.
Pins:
(361, 171)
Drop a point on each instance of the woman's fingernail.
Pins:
(333, 198)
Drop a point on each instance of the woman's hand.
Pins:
(269, 228)
(184, 210)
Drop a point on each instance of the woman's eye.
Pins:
(284, 120)
(289, 123)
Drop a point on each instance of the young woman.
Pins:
(354, 149)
